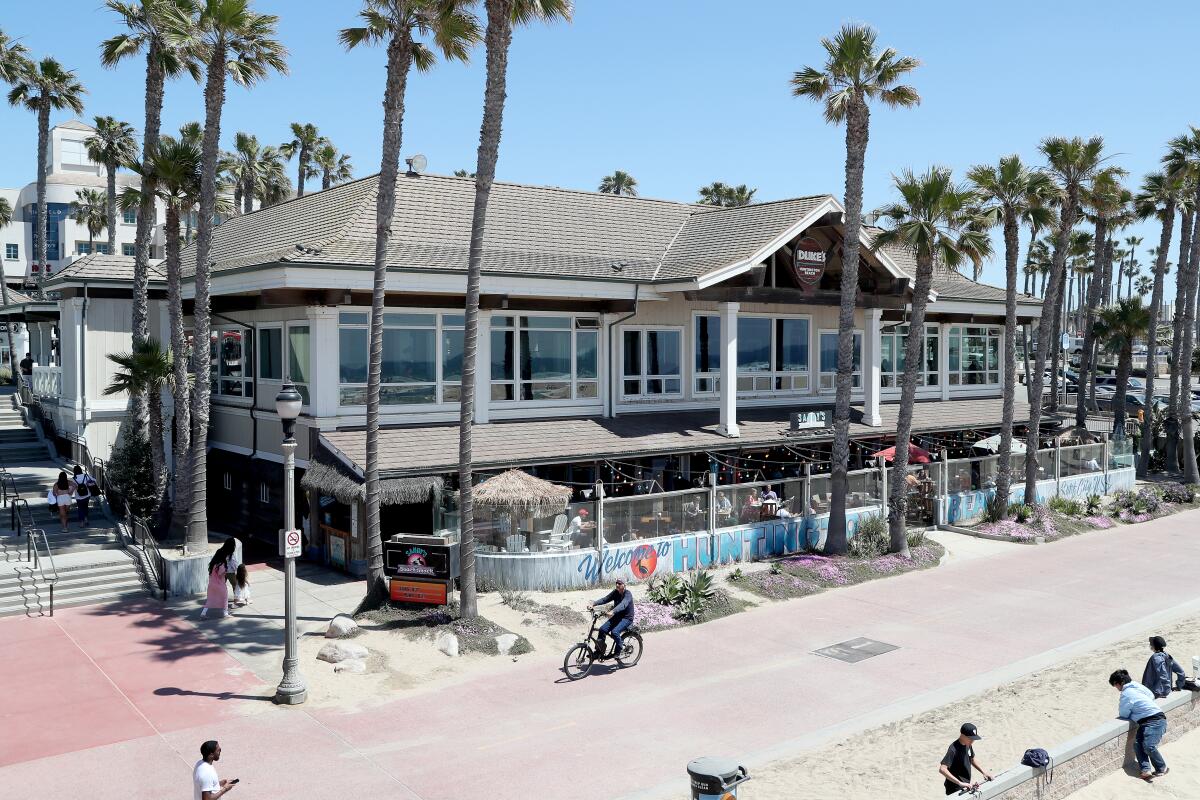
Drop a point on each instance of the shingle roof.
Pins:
(101, 267)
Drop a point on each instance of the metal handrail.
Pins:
(19, 515)
(32, 536)
(151, 549)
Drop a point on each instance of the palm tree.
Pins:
(13, 62)
(146, 371)
(305, 139)
(274, 185)
(1014, 192)
(89, 209)
(1185, 161)
(1131, 270)
(855, 72)
(335, 168)
(502, 17)
(6, 218)
(462, 173)
(451, 30)
(113, 146)
(1159, 196)
(1145, 285)
(722, 194)
(41, 88)
(938, 221)
(619, 183)
(237, 42)
(246, 159)
(1072, 163)
(1117, 328)
(175, 171)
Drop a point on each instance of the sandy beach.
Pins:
(899, 761)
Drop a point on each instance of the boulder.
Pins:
(448, 644)
(505, 642)
(336, 652)
(353, 665)
(340, 626)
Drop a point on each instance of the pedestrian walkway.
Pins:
(748, 686)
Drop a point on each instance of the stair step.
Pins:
(111, 580)
(72, 601)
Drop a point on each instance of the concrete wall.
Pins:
(969, 508)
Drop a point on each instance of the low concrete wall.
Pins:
(187, 576)
(1092, 756)
(967, 508)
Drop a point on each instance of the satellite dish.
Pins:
(416, 164)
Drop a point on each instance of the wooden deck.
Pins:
(497, 445)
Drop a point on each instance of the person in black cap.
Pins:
(960, 757)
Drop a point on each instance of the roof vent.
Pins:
(618, 266)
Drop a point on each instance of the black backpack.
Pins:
(1038, 758)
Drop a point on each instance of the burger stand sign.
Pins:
(808, 262)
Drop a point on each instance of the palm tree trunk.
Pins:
(399, 60)
(8, 328)
(326, 180)
(248, 194)
(1124, 367)
(237, 197)
(1095, 289)
(1046, 327)
(110, 208)
(1007, 411)
(497, 39)
(302, 158)
(1173, 409)
(214, 101)
(181, 440)
(1056, 341)
(1160, 265)
(1183, 365)
(914, 348)
(43, 224)
(1045, 277)
(858, 119)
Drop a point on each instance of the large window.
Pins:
(83, 248)
(283, 355)
(129, 216)
(829, 358)
(974, 357)
(772, 354)
(12, 252)
(544, 358)
(230, 355)
(651, 365)
(410, 365)
(893, 356)
(74, 153)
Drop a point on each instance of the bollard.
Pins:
(715, 778)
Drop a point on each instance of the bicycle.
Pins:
(582, 656)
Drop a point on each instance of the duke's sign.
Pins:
(808, 262)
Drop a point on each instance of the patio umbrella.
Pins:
(521, 495)
(992, 445)
(915, 455)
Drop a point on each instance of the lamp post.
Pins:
(291, 690)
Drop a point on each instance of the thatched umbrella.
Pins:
(521, 495)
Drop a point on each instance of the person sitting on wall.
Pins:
(620, 618)
(1157, 675)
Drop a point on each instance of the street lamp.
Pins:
(291, 690)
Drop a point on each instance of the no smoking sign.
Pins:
(292, 544)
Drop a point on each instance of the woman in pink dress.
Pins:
(218, 586)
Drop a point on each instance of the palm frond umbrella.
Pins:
(522, 496)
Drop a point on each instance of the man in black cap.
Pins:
(956, 766)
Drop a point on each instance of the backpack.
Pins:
(1038, 758)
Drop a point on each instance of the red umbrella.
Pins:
(915, 455)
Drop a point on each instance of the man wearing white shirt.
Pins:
(205, 783)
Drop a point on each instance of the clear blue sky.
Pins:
(683, 92)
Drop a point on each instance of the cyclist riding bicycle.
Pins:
(619, 621)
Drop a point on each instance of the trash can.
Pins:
(715, 778)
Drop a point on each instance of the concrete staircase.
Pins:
(25, 589)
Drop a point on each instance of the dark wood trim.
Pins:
(795, 297)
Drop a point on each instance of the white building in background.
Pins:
(70, 170)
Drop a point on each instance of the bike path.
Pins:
(748, 686)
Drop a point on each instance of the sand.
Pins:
(899, 761)
(1183, 782)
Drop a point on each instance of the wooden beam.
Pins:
(797, 297)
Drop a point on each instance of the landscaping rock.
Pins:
(340, 626)
(505, 642)
(336, 652)
(354, 666)
(448, 644)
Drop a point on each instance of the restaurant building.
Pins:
(640, 343)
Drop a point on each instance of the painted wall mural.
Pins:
(966, 508)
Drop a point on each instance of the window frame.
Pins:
(126, 213)
(857, 379)
(217, 379)
(515, 386)
(932, 333)
(15, 249)
(993, 377)
(773, 379)
(643, 377)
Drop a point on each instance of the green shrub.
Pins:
(871, 537)
(1093, 504)
(1178, 492)
(516, 600)
(691, 609)
(738, 575)
(701, 585)
(776, 568)
(1065, 506)
(484, 584)
(666, 591)
(130, 471)
(997, 506)
(917, 539)
(1021, 512)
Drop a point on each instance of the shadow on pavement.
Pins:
(171, 691)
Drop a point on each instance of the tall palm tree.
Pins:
(451, 30)
(44, 87)
(1130, 270)
(855, 73)
(502, 17)
(89, 209)
(238, 42)
(1184, 161)
(938, 221)
(113, 146)
(619, 183)
(1145, 285)
(335, 168)
(1158, 198)
(247, 157)
(722, 194)
(6, 218)
(1117, 328)
(274, 186)
(13, 61)
(1014, 192)
(305, 140)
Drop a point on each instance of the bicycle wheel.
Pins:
(631, 649)
(578, 662)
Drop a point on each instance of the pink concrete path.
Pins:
(747, 686)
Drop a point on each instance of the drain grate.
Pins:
(854, 650)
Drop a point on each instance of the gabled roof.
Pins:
(102, 268)
(76, 125)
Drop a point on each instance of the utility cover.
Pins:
(854, 650)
